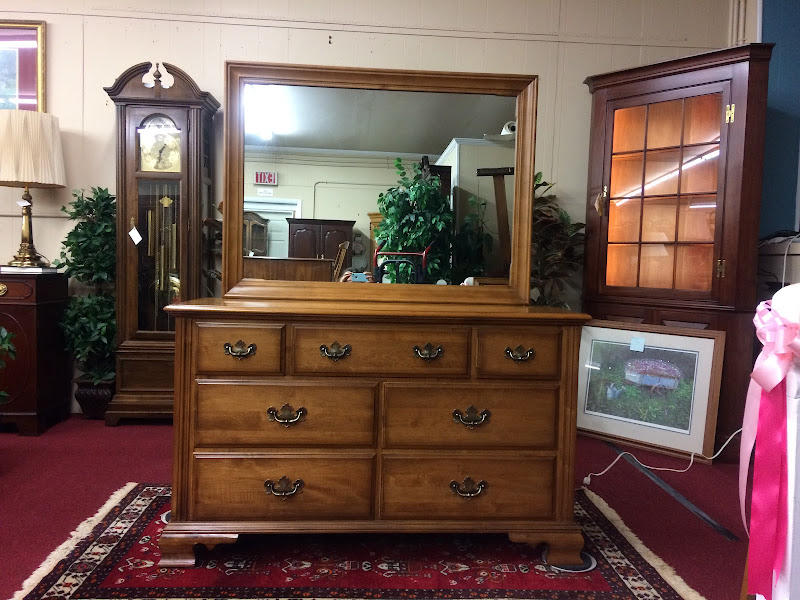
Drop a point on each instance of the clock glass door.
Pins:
(159, 260)
(663, 189)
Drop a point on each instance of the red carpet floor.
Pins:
(50, 484)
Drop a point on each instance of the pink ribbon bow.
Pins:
(765, 419)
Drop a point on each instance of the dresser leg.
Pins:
(564, 547)
(177, 549)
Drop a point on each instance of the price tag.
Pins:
(637, 344)
(135, 235)
(23, 203)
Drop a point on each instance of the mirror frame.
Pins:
(523, 87)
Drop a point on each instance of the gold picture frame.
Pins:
(22, 65)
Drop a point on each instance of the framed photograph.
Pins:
(653, 386)
(22, 65)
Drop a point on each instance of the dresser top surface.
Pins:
(273, 308)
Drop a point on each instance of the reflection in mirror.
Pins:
(317, 159)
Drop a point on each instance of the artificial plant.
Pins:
(556, 246)
(472, 243)
(7, 351)
(89, 255)
(417, 214)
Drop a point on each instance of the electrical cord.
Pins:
(588, 479)
(789, 243)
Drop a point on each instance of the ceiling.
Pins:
(370, 120)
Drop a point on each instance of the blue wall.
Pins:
(781, 25)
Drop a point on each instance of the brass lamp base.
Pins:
(27, 256)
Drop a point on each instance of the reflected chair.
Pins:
(417, 261)
(338, 263)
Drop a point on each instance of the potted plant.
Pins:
(7, 351)
(417, 214)
(472, 243)
(556, 246)
(89, 321)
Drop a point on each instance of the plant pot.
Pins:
(94, 399)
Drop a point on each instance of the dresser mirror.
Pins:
(320, 143)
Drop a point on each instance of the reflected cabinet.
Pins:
(673, 204)
(166, 250)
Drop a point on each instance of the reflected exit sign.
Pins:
(266, 178)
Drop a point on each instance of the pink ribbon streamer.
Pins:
(765, 420)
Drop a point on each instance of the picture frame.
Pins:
(650, 386)
(22, 65)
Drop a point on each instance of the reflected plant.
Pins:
(416, 214)
(472, 243)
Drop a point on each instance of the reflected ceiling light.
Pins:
(19, 44)
(268, 111)
(667, 176)
(704, 205)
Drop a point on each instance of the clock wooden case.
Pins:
(164, 195)
(675, 161)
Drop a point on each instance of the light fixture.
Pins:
(268, 111)
(667, 176)
(30, 157)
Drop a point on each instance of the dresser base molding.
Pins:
(178, 540)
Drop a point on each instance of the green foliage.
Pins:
(7, 350)
(472, 243)
(89, 255)
(89, 252)
(90, 327)
(417, 214)
(556, 246)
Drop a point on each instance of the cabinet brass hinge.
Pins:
(729, 110)
(721, 268)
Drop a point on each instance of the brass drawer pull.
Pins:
(239, 349)
(284, 488)
(473, 418)
(469, 489)
(287, 416)
(335, 352)
(3, 289)
(428, 352)
(519, 354)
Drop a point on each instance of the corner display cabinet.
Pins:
(165, 254)
(674, 190)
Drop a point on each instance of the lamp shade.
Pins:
(30, 150)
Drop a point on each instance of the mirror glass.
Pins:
(316, 160)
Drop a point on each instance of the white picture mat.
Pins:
(639, 430)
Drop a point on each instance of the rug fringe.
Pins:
(667, 572)
(79, 533)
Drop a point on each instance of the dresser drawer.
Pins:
(515, 487)
(232, 487)
(381, 350)
(519, 352)
(243, 348)
(316, 414)
(15, 291)
(518, 416)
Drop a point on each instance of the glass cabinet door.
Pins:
(663, 186)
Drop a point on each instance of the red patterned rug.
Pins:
(115, 555)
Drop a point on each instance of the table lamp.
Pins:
(30, 157)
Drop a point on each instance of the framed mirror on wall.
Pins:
(22, 65)
(309, 151)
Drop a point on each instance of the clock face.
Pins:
(159, 146)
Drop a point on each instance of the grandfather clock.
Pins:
(165, 253)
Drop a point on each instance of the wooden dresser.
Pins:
(39, 379)
(323, 417)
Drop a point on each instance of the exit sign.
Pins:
(266, 178)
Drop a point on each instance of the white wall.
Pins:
(90, 42)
